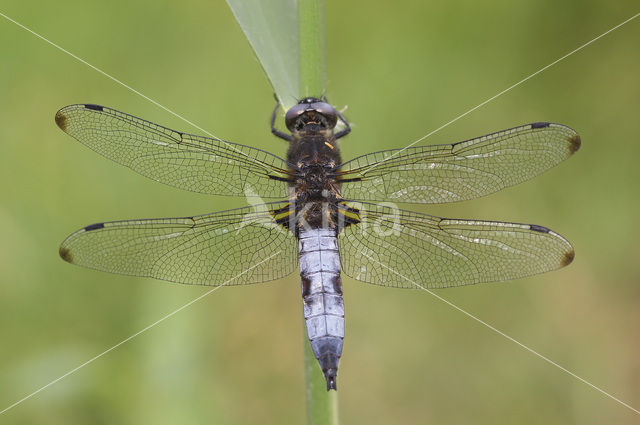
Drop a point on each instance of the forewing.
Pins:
(196, 163)
(231, 247)
(399, 248)
(456, 172)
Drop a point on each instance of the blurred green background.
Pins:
(403, 68)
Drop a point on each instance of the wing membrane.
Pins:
(231, 247)
(399, 248)
(460, 171)
(196, 163)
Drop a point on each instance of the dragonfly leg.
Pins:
(274, 130)
(346, 130)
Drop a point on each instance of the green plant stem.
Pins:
(311, 47)
(322, 405)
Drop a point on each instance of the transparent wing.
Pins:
(456, 172)
(392, 247)
(196, 163)
(231, 247)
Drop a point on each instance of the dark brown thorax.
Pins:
(314, 159)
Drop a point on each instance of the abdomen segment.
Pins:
(322, 298)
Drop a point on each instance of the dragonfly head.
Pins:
(311, 115)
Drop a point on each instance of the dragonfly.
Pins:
(318, 213)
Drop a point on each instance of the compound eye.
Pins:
(293, 114)
(327, 111)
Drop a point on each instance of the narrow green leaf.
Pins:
(272, 30)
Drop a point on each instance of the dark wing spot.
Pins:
(94, 107)
(61, 120)
(540, 229)
(94, 227)
(567, 258)
(574, 144)
(539, 124)
(65, 254)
